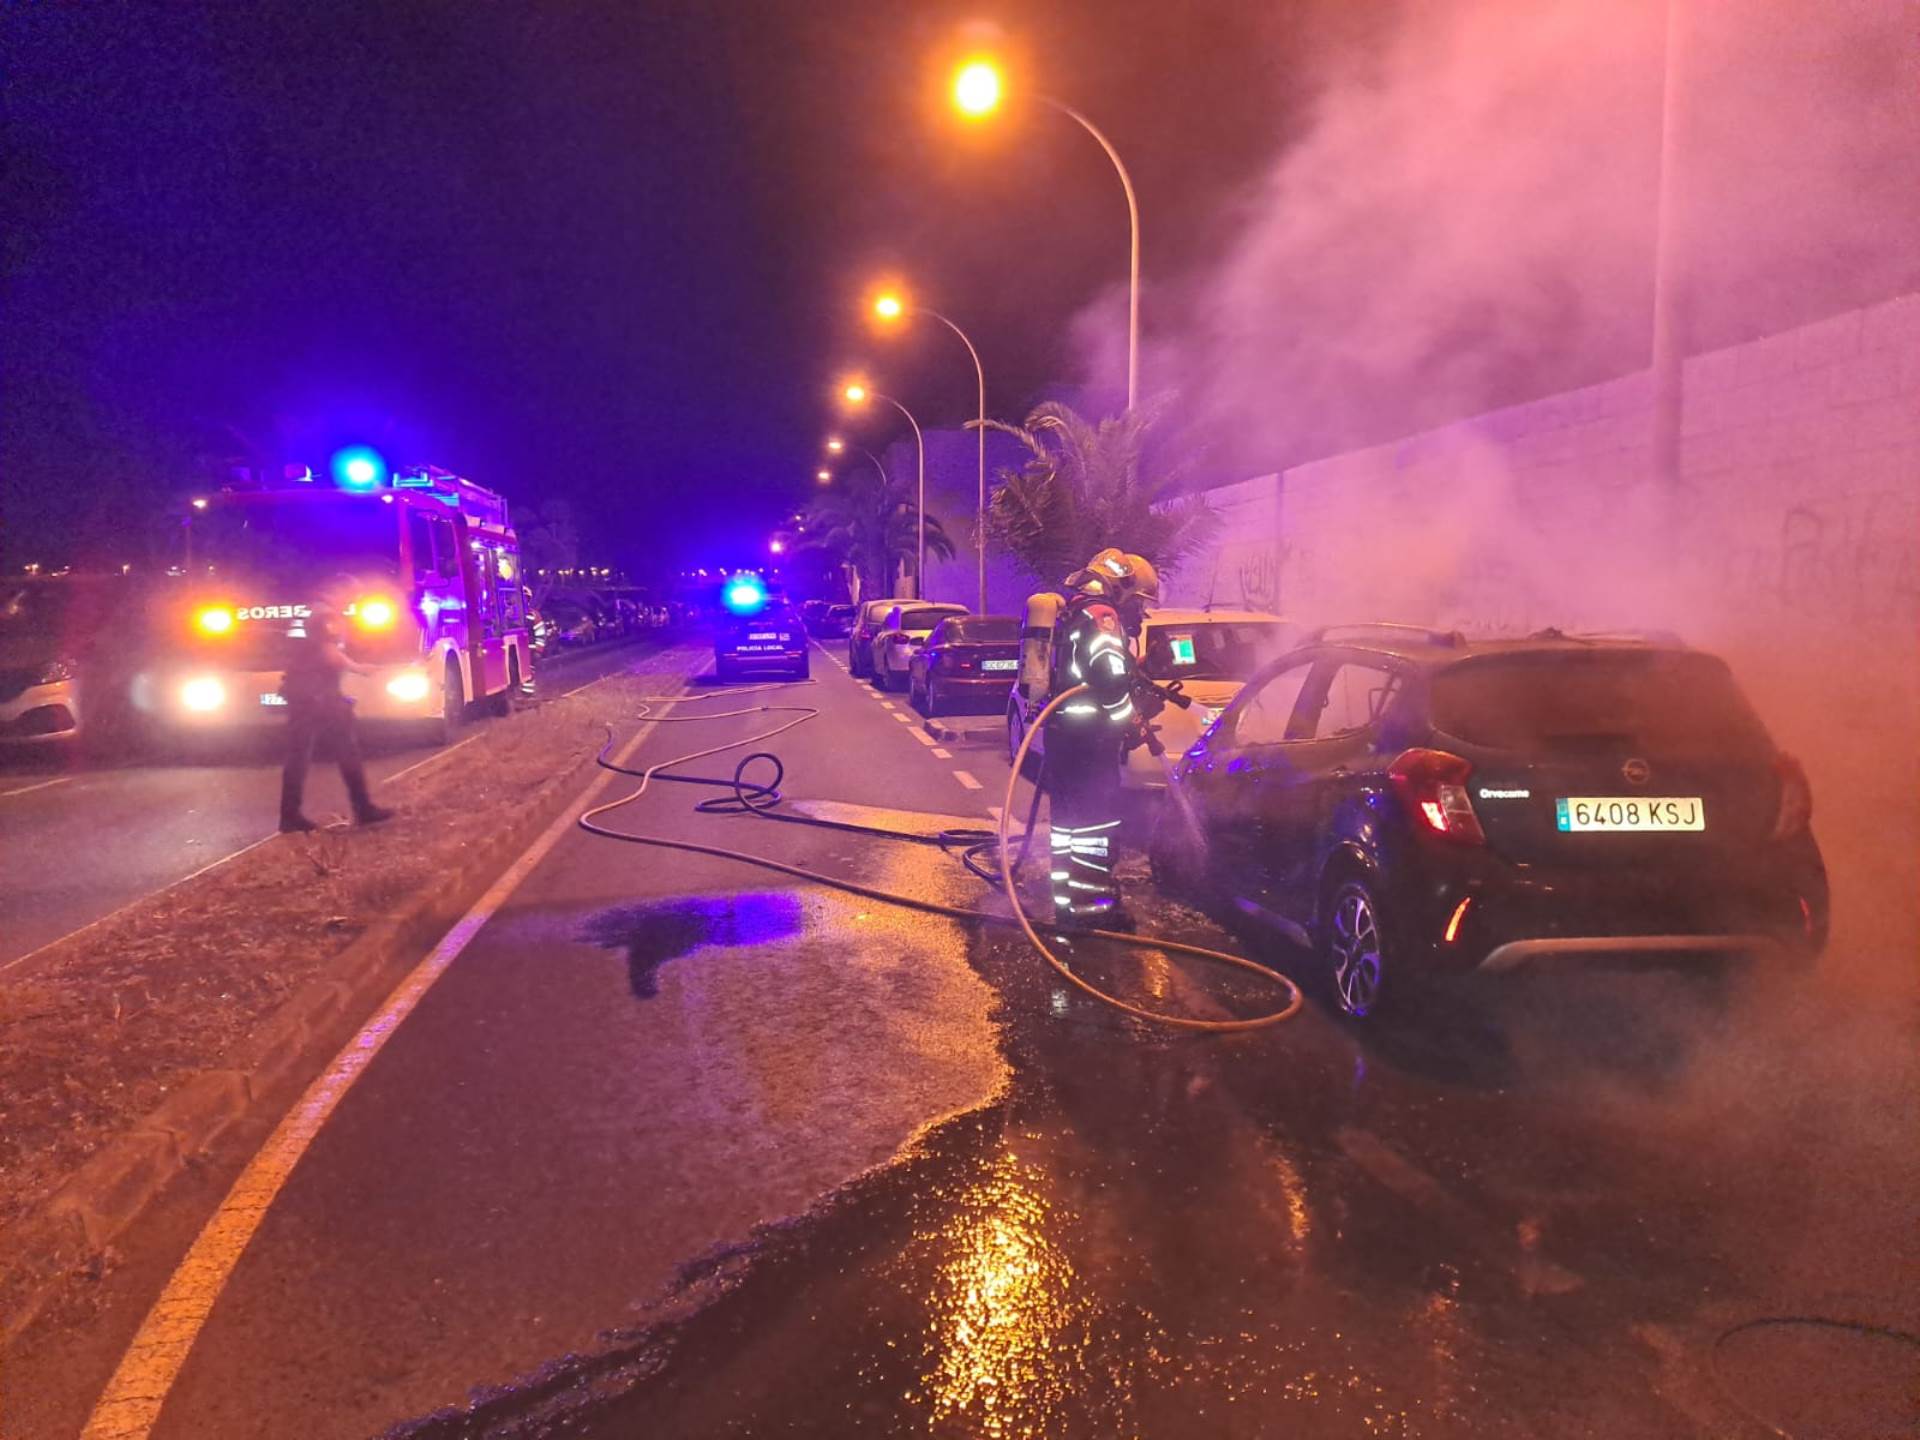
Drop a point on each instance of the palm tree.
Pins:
(1086, 486)
(871, 527)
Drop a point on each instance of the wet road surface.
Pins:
(681, 1148)
(81, 842)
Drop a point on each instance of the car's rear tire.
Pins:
(930, 698)
(804, 670)
(724, 669)
(1356, 944)
(853, 661)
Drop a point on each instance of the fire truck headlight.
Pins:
(375, 613)
(410, 687)
(214, 619)
(202, 694)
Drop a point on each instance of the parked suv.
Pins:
(1413, 804)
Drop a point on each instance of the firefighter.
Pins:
(1088, 736)
(317, 709)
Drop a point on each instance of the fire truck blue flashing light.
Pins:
(745, 594)
(358, 469)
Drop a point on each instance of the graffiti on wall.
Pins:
(1855, 560)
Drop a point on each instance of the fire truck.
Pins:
(440, 613)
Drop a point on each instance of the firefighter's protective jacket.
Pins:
(1090, 648)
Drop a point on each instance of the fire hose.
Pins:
(761, 797)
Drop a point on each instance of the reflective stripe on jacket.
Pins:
(1090, 648)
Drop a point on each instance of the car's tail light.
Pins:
(1433, 786)
(1796, 799)
(951, 662)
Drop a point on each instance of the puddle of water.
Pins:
(655, 933)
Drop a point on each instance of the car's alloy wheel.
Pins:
(930, 701)
(1356, 949)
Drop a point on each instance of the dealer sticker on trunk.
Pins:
(1582, 813)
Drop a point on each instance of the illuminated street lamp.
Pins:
(824, 476)
(978, 90)
(835, 445)
(857, 392)
(777, 545)
(889, 307)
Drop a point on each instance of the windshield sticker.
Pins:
(1182, 648)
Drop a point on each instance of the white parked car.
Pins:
(906, 629)
(1210, 652)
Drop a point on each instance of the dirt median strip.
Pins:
(138, 1043)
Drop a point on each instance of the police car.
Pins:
(757, 631)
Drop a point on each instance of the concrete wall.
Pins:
(1792, 548)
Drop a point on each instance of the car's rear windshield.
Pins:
(1212, 650)
(981, 630)
(923, 619)
(1660, 701)
(839, 610)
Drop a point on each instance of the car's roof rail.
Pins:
(1640, 637)
(1390, 629)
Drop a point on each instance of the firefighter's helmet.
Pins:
(1117, 576)
(1144, 582)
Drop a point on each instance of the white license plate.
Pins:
(999, 664)
(272, 699)
(1577, 814)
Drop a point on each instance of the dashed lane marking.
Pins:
(903, 719)
(131, 1403)
(967, 780)
(940, 754)
(29, 789)
(922, 737)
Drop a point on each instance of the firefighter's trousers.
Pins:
(1082, 780)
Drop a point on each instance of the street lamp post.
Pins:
(889, 307)
(840, 447)
(977, 92)
(1133, 256)
(860, 394)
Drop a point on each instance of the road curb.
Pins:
(982, 739)
(72, 1229)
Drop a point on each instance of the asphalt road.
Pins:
(681, 1148)
(79, 841)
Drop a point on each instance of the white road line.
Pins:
(886, 704)
(131, 1403)
(903, 719)
(29, 789)
(994, 810)
(431, 759)
(940, 754)
(967, 780)
(921, 736)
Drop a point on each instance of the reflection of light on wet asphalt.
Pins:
(1003, 1300)
(1293, 1192)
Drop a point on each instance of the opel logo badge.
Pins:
(1636, 771)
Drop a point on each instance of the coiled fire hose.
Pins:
(760, 797)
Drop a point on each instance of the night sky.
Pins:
(608, 253)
